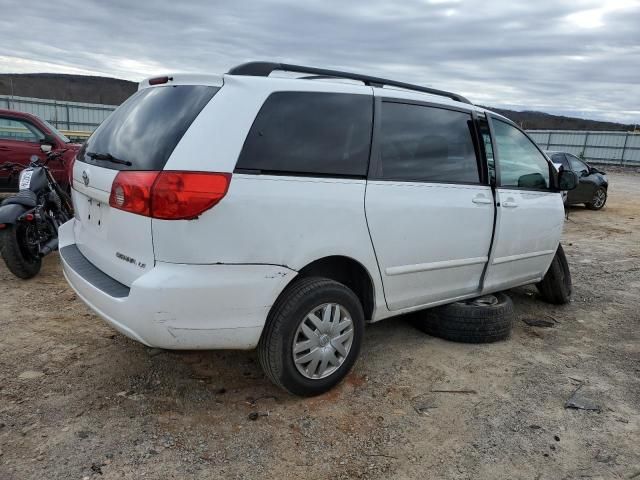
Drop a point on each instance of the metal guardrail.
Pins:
(76, 135)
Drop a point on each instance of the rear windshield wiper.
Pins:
(108, 158)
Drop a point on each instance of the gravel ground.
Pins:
(78, 400)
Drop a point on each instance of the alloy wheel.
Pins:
(599, 198)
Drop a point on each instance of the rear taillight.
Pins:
(184, 195)
(168, 195)
(131, 192)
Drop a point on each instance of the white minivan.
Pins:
(255, 210)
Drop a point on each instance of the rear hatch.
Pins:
(138, 137)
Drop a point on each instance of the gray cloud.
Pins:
(570, 57)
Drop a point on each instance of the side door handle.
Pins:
(481, 200)
(509, 204)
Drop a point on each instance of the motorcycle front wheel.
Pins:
(19, 253)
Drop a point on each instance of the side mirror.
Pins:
(45, 148)
(532, 180)
(48, 140)
(567, 180)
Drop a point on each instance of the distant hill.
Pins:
(112, 91)
(532, 120)
(72, 88)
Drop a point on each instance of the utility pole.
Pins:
(11, 86)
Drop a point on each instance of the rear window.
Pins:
(311, 133)
(146, 128)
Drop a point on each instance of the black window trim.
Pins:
(491, 117)
(375, 160)
(423, 103)
(481, 151)
(294, 173)
(22, 120)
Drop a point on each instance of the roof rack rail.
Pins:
(264, 69)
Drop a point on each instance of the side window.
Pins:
(577, 165)
(426, 144)
(561, 159)
(521, 163)
(13, 129)
(310, 133)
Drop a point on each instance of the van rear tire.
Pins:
(312, 337)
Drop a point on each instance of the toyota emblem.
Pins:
(85, 178)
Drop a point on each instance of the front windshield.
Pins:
(56, 132)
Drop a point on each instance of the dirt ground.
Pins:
(78, 400)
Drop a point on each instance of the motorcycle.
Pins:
(29, 220)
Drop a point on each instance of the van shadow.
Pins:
(190, 378)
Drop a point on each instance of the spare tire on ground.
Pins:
(484, 319)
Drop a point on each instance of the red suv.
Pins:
(21, 135)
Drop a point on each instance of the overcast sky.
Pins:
(575, 57)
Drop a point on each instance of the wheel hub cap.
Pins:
(323, 341)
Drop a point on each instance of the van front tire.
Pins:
(312, 337)
(556, 286)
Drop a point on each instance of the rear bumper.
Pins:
(179, 306)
